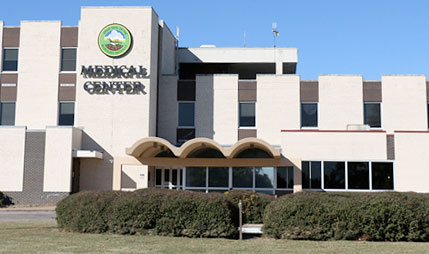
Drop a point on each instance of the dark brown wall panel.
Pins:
(309, 91)
(372, 91)
(8, 93)
(67, 93)
(11, 36)
(69, 36)
(9, 79)
(67, 78)
(186, 90)
(247, 91)
(246, 133)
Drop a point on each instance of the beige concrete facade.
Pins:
(37, 103)
(277, 106)
(340, 101)
(58, 159)
(404, 105)
(411, 161)
(12, 158)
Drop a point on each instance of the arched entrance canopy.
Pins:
(151, 146)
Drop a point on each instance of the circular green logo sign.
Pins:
(114, 40)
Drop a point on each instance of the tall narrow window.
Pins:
(311, 174)
(7, 113)
(372, 114)
(284, 177)
(10, 60)
(247, 114)
(186, 114)
(66, 116)
(68, 59)
(309, 114)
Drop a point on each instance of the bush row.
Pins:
(158, 211)
(2, 199)
(384, 216)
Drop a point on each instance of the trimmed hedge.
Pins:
(383, 216)
(2, 199)
(149, 211)
(253, 204)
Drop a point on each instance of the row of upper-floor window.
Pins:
(247, 114)
(65, 113)
(10, 59)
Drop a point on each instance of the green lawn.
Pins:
(43, 237)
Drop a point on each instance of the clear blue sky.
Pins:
(369, 37)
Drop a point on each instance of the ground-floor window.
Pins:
(170, 178)
(220, 179)
(347, 175)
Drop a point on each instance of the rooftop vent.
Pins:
(208, 46)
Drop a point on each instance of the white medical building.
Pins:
(114, 104)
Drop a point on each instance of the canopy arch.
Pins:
(255, 144)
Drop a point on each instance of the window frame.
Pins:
(381, 115)
(61, 60)
(239, 116)
(317, 115)
(14, 117)
(59, 112)
(178, 115)
(2, 60)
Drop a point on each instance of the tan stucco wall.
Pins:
(113, 122)
(167, 108)
(340, 101)
(404, 104)
(334, 145)
(411, 168)
(58, 159)
(12, 158)
(278, 106)
(225, 108)
(37, 98)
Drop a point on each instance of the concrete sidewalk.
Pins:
(15, 216)
(28, 208)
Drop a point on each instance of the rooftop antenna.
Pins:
(244, 38)
(275, 33)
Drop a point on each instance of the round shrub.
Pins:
(384, 216)
(253, 204)
(2, 199)
(149, 211)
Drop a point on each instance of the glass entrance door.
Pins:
(169, 178)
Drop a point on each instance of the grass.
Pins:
(44, 237)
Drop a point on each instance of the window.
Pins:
(184, 135)
(186, 114)
(242, 177)
(311, 174)
(309, 115)
(218, 177)
(68, 59)
(284, 177)
(264, 177)
(10, 60)
(247, 114)
(358, 175)
(196, 177)
(186, 90)
(334, 175)
(66, 116)
(382, 176)
(7, 113)
(372, 115)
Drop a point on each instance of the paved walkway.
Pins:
(27, 214)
